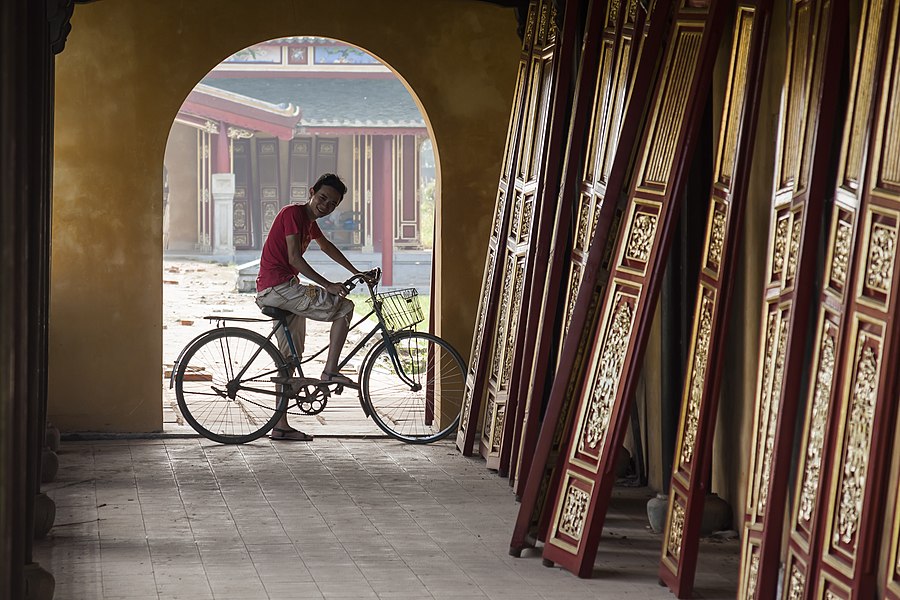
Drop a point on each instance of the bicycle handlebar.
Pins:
(370, 278)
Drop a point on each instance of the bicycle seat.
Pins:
(275, 313)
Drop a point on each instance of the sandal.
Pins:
(338, 379)
(290, 435)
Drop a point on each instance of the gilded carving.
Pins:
(841, 257)
(882, 245)
(797, 583)
(716, 239)
(574, 285)
(640, 242)
(519, 288)
(525, 228)
(632, 10)
(794, 255)
(488, 420)
(815, 442)
(676, 530)
(829, 595)
(236, 133)
(774, 406)
(240, 216)
(467, 405)
(497, 427)
(514, 221)
(609, 368)
(858, 440)
(698, 377)
(505, 297)
(780, 248)
(669, 115)
(571, 522)
(581, 235)
(752, 575)
(613, 12)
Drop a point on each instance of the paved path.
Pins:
(331, 519)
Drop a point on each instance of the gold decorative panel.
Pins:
(698, 377)
(640, 239)
(737, 90)
(796, 584)
(775, 366)
(571, 522)
(794, 253)
(815, 442)
(716, 238)
(880, 262)
(858, 440)
(841, 253)
(679, 71)
(797, 95)
(606, 377)
(780, 246)
(676, 531)
(864, 89)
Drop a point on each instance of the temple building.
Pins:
(279, 114)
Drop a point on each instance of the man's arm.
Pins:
(295, 256)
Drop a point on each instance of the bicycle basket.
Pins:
(400, 308)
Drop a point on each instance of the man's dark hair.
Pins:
(331, 180)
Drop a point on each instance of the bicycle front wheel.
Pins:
(224, 388)
(414, 387)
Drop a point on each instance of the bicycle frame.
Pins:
(294, 360)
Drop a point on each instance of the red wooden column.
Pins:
(607, 85)
(807, 526)
(385, 143)
(223, 157)
(606, 390)
(699, 400)
(805, 142)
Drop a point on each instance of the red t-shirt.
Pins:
(274, 266)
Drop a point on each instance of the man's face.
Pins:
(323, 202)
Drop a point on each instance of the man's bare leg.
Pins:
(337, 337)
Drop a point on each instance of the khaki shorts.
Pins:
(308, 301)
(305, 301)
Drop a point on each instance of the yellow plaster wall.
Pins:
(126, 69)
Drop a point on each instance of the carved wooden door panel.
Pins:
(606, 391)
(607, 65)
(299, 167)
(823, 397)
(491, 282)
(815, 47)
(693, 451)
(243, 194)
(532, 519)
(529, 162)
(866, 363)
(267, 174)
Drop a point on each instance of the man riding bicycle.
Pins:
(278, 285)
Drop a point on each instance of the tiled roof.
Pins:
(333, 102)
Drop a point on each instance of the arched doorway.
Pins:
(252, 136)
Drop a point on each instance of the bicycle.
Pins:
(233, 384)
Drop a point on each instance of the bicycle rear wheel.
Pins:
(224, 388)
(421, 404)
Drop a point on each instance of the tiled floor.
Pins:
(337, 518)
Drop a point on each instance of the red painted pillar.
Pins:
(223, 157)
(387, 211)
